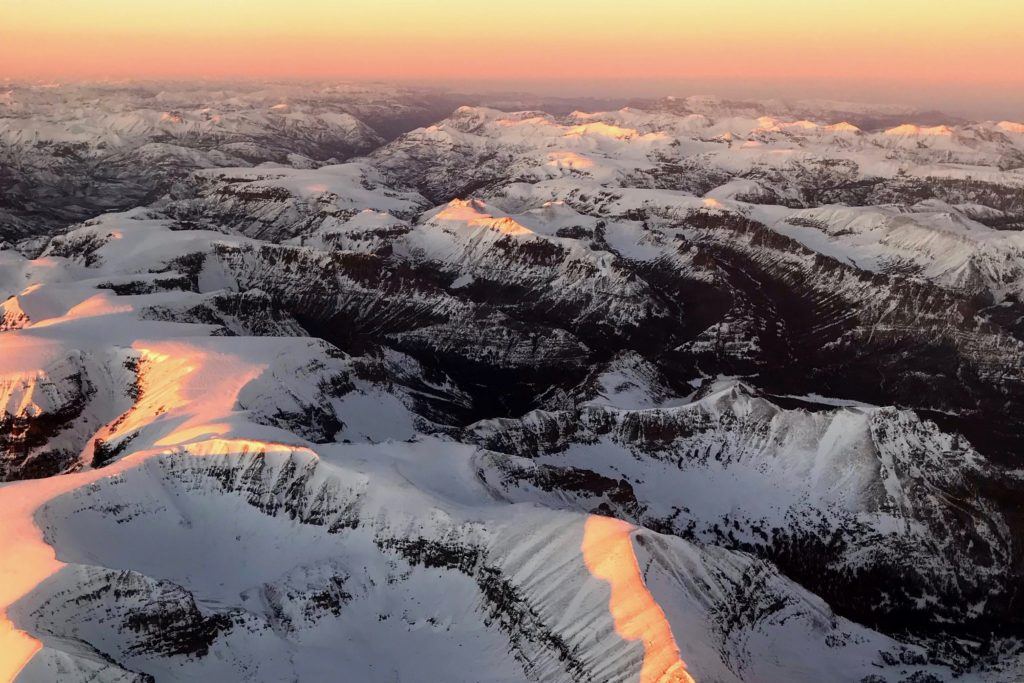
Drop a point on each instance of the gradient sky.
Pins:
(973, 47)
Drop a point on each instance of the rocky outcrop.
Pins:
(838, 498)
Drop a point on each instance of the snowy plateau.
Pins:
(377, 384)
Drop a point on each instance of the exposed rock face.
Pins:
(514, 586)
(316, 414)
(40, 433)
(884, 502)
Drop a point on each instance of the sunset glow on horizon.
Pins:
(912, 40)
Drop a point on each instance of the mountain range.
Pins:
(393, 384)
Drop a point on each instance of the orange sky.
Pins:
(973, 43)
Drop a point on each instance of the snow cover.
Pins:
(172, 523)
(268, 506)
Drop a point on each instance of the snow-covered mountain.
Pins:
(69, 153)
(698, 390)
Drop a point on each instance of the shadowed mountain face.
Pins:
(327, 388)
